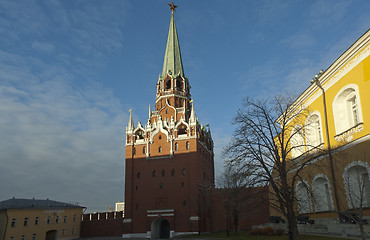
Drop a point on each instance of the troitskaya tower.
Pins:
(169, 160)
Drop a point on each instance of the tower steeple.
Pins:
(172, 58)
(130, 126)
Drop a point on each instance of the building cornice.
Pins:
(345, 63)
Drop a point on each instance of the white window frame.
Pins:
(296, 140)
(353, 203)
(318, 131)
(343, 111)
(317, 191)
(304, 202)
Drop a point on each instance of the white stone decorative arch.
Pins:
(313, 130)
(353, 186)
(182, 121)
(343, 114)
(140, 127)
(168, 104)
(303, 197)
(322, 193)
(297, 141)
(159, 128)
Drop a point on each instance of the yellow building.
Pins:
(32, 219)
(337, 180)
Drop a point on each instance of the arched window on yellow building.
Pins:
(297, 141)
(303, 198)
(347, 108)
(313, 131)
(357, 184)
(322, 193)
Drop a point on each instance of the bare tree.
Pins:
(357, 186)
(267, 133)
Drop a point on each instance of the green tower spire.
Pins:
(172, 57)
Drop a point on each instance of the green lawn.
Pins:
(245, 236)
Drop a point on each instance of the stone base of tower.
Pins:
(160, 223)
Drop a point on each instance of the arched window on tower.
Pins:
(176, 146)
(179, 84)
(168, 84)
(139, 134)
(181, 129)
(187, 145)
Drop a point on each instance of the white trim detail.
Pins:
(159, 128)
(348, 135)
(168, 214)
(337, 76)
(344, 64)
(182, 121)
(134, 235)
(160, 210)
(127, 220)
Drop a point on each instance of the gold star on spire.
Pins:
(172, 7)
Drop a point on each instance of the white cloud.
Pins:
(62, 132)
(60, 141)
(269, 12)
(299, 40)
(323, 13)
(42, 46)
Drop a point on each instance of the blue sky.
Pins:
(70, 71)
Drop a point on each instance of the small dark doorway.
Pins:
(160, 229)
(51, 235)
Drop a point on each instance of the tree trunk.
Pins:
(361, 225)
(236, 223)
(292, 222)
(236, 219)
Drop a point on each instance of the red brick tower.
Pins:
(170, 160)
